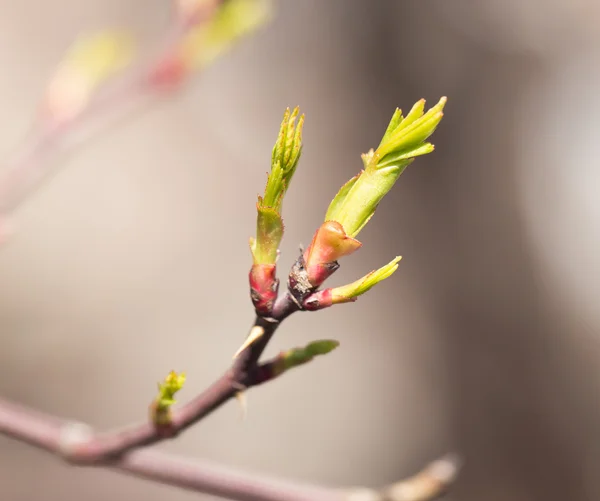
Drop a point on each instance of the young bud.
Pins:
(160, 410)
(284, 159)
(403, 140)
(269, 225)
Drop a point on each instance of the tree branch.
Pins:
(120, 451)
(240, 376)
(57, 436)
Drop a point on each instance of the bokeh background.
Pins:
(133, 260)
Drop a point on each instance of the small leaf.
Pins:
(337, 203)
(351, 291)
(394, 122)
(416, 130)
(415, 113)
(361, 201)
(403, 158)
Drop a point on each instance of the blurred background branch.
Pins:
(89, 88)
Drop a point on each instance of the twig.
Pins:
(77, 443)
(57, 436)
(241, 375)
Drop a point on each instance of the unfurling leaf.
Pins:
(351, 291)
(347, 293)
(284, 160)
(403, 141)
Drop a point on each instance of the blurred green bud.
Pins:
(403, 141)
(299, 356)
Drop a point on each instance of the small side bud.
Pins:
(160, 409)
(300, 356)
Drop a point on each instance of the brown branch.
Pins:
(57, 436)
(120, 451)
(239, 377)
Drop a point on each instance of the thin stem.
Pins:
(57, 436)
(219, 481)
(241, 375)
